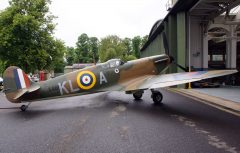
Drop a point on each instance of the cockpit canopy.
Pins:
(113, 63)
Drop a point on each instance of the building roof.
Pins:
(180, 5)
(204, 8)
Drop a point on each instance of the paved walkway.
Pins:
(225, 98)
(228, 93)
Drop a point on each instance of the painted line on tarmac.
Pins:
(212, 139)
(207, 102)
(9, 107)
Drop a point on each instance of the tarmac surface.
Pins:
(114, 122)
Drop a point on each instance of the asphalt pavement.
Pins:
(113, 122)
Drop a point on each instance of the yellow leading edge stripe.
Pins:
(79, 82)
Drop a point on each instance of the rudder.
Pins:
(16, 83)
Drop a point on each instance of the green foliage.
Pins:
(144, 40)
(82, 49)
(59, 66)
(93, 48)
(136, 42)
(129, 58)
(128, 45)
(26, 32)
(111, 43)
(2, 67)
(114, 47)
(110, 53)
(26, 40)
(70, 55)
(58, 50)
(87, 49)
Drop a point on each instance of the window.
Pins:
(217, 57)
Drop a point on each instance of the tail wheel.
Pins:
(157, 97)
(24, 108)
(138, 95)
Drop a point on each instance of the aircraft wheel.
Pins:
(138, 95)
(23, 108)
(157, 97)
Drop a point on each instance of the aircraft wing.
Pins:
(166, 80)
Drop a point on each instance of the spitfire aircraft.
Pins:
(133, 77)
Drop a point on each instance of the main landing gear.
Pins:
(24, 107)
(156, 96)
(138, 95)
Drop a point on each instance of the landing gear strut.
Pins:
(157, 97)
(24, 107)
(138, 95)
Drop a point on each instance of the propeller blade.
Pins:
(181, 67)
(167, 51)
(165, 43)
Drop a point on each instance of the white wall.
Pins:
(196, 43)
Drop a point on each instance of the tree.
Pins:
(128, 45)
(26, 32)
(70, 55)
(82, 49)
(136, 43)
(144, 40)
(93, 46)
(110, 53)
(113, 44)
(2, 67)
(59, 66)
(58, 62)
(129, 58)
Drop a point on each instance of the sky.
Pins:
(99, 18)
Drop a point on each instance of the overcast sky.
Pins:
(99, 18)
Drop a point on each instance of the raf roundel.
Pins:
(86, 80)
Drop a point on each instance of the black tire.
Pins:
(23, 108)
(157, 97)
(138, 95)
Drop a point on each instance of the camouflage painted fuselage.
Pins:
(112, 75)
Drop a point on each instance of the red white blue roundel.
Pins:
(86, 80)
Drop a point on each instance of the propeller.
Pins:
(165, 44)
(167, 51)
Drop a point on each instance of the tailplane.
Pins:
(16, 84)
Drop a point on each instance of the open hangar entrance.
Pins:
(202, 35)
(217, 47)
(222, 47)
(217, 23)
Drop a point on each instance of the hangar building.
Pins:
(204, 34)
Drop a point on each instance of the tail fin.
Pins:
(16, 83)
